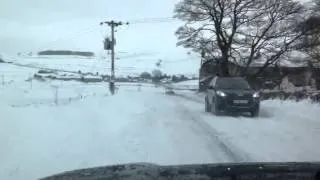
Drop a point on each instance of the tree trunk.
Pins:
(224, 66)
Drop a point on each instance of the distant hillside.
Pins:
(66, 52)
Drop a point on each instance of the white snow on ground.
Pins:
(9, 73)
(139, 124)
(130, 127)
(189, 84)
(285, 130)
(123, 66)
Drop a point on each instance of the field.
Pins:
(52, 126)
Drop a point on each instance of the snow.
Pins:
(89, 128)
(97, 131)
(131, 65)
(13, 73)
(285, 130)
(189, 84)
(286, 85)
(6, 57)
(291, 59)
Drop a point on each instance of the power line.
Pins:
(79, 33)
(71, 36)
(153, 20)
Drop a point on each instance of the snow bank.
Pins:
(1, 59)
(313, 96)
(13, 73)
(138, 124)
(133, 126)
(285, 131)
(190, 84)
(286, 85)
(5, 57)
(124, 66)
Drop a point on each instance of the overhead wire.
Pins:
(94, 28)
(104, 33)
(153, 20)
(71, 36)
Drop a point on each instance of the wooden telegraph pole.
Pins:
(110, 46)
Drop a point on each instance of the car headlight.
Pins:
(256, 95)
(222, 94)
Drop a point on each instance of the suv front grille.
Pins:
(232, 97)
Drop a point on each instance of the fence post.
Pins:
(56, 88)
(56, 96)
(31, 84)
(31, 78)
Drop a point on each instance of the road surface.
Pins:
(144, 126)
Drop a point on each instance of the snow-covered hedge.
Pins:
(314, 96)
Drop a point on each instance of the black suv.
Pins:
(231, 94)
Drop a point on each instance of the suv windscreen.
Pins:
(232, 83)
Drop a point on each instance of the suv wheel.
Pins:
(214, 109)
(207, 106)
(255, 113)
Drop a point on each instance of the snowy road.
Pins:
(130, 127)
(147, 126)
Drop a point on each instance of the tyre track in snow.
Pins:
(232, 153)
(189, 98)
(161, 126)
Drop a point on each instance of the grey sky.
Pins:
(31, 25)
(44, 11)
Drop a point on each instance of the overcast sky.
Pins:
(32, 25)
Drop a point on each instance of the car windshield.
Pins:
(90, 83)
(232, 83)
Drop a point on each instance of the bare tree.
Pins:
(310, 42)
(241, 31)
(316, 7)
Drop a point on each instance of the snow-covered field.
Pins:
(189, 84)
(123, 66)
(9, 73)
(90, 128)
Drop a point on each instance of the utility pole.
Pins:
(112, 24)
(112, 48)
